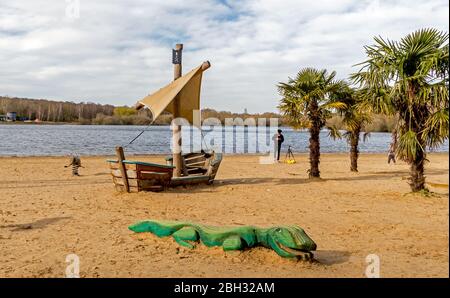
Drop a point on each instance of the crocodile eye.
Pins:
(278, 230)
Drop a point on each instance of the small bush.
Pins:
(124, 111)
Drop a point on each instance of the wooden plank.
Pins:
(154, 175)
(130, 182)
(193, 155)
(197, 164)
(118, 181)
(130, 174)
(115, 166)
(195, 158)
(131, 165)
(121, 157)
(152, 188)
(190, 180)
(135, 162)
(149, 184)
(196, 171)
(146, 168)
(143, 184)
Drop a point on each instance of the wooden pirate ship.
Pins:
(181, 97)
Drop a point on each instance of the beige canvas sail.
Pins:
(187, 88)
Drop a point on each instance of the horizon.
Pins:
(117, 53)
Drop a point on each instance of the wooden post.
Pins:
(176, 134)
(123, 170)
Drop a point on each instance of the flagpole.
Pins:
(176, 129)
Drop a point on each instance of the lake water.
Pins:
(58, 140)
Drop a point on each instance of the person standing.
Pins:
(391, 154)
(279, 139)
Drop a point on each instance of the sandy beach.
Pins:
(46, 214)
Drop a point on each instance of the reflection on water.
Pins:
(33, 140)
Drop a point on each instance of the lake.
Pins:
(59, 140)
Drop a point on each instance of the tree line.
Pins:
(53, 111)
(93, 113)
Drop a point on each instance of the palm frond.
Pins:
(437, 128)
(334, 105)
(334, 133)
(309, 94)
(408, 145)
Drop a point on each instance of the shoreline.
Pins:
(154, 155)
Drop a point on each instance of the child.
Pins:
(391, 154)
(75, 163)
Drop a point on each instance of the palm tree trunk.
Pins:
(354, 152)
(417, 178)
(314, 142)
(314, 152)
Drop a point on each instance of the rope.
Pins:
(135, 138)
(131, 142)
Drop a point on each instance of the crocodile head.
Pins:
(143, 226)
(159, 228)
(290, 241)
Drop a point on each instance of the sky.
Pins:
(117, 52)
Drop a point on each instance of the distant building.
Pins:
(11, 116)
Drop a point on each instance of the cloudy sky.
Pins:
(117, 52)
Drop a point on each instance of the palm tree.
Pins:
(410, 78)
(354, 120)
(307, 103)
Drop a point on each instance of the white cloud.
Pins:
(119, 51)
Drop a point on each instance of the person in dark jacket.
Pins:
(279, 138)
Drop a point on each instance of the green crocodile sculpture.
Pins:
(287, 241)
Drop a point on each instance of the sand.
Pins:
(46, 214)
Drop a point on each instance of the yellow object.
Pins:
(290, 161)
(187, 88)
